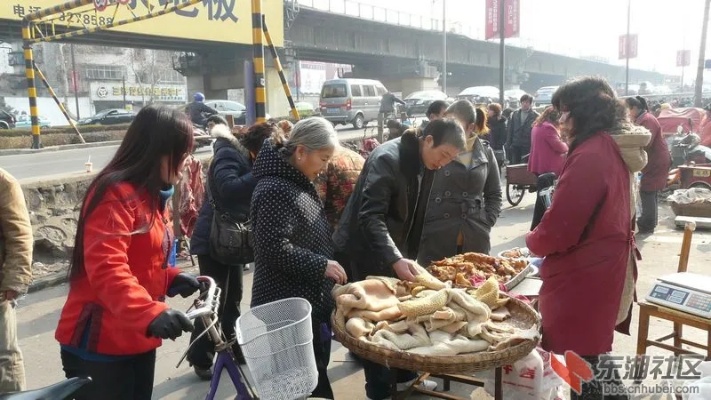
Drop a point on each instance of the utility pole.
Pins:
(502, 51)
(698, 89)
(627, 50)
(75, 79)
(444, 46)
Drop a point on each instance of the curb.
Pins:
(10, 152)
(59, 278)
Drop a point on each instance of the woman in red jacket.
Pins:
(547, 157)
(586, 235)
(115, 316)
(654, 175)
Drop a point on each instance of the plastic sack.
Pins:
(702, 387)
(531, 377)
(689, 196)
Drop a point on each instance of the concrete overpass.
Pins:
(406, 51)
(405, 57)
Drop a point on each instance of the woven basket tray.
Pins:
(522, 316)
(699, 210)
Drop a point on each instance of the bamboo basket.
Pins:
(522, 316)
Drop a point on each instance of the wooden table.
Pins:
(467, 380)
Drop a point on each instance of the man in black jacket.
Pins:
(379, 224)
(518, 143)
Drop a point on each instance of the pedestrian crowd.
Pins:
(320, 214)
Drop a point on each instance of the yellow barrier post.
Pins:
(59, 103)
(260, 95)
(31, 89)
(280, 70)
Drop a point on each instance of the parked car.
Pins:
(418, 102)
(351, 101)
(480, 94)
(237, 110)
(305, 109)
(544, 95)
(24, 122)
(111, 116)
(7, 120)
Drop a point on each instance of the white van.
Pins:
(351, 101)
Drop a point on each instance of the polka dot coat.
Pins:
(292, 237)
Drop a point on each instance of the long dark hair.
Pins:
(550, 114)
(592, 105)
(639, 102)
(156, 132)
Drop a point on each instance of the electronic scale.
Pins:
(683, 291)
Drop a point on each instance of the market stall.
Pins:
(458, 318)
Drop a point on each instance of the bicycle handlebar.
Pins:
(205, 303)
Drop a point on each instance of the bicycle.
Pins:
(205, 307)
(276, 340)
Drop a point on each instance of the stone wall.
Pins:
(54, 209)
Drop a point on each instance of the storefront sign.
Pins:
(225, 21)
(111, 91)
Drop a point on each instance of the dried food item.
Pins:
(464, 270)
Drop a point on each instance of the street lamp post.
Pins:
(444, 46)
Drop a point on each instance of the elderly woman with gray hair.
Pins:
(292, 236)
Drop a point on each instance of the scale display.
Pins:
(681, 297)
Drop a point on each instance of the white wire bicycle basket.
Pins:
(276, 340)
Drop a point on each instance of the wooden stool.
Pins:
(679, 318)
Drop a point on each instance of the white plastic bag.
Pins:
(528, 378)
(700, 389)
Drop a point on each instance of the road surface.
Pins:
(38, 314)
(43, 164)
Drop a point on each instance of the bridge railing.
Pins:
(385, 15)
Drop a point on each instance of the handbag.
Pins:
(231, 241)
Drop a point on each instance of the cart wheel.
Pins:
(514, 194)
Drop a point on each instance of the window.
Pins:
(381, 90)
(355, 91)
(333, 91)
(104, 72)
(369, 90)
(233, 106)
(169, 76)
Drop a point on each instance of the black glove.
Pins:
(184, 285)
(170, 324)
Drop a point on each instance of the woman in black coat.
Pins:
(497, 132)
(231, 183)
(292, 237)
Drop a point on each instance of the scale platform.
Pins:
(683, 291)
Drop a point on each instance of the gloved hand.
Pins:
(184, 285)
(170, 324)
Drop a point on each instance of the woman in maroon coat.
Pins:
(654, 175)
(547, 149)
(586, 235)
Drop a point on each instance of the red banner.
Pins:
(683, 58)
(628, 46)
(512, 18)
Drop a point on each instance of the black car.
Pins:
(112, 116)
(418, 102)
(7, 120)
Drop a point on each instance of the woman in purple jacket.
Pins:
(547, 157)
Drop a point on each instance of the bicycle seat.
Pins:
(58, 391)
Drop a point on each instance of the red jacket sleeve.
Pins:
(107, 237)
(580, 189)
(553, 140)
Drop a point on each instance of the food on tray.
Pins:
(427, 317)
(464, 270)
(517, 252)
